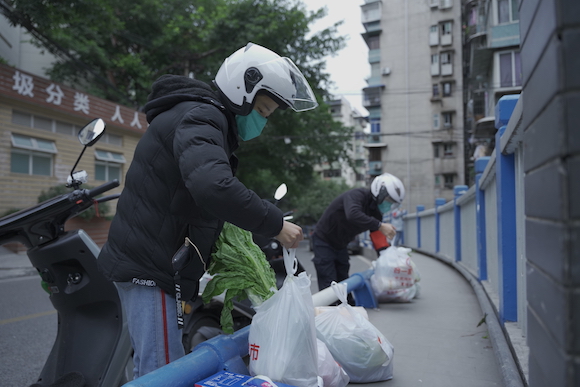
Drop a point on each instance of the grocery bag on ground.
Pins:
(282, 338)
(395, 275)
(355, 343)
(329, 370)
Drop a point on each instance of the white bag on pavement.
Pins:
(355, 343)
(329, 370)
(282, 338)
(395, 275)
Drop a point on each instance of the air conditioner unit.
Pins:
(386, 71)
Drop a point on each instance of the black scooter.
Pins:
(92, 345)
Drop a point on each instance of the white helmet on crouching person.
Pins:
(253, 69)
(388, 191)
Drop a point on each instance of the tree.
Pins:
(311, 205)
(116, 49)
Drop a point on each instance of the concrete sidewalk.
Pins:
(436, 338)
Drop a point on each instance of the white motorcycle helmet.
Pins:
(388, 187)
(254, 69)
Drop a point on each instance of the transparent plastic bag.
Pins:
(355, 343)
(282, 338)
(395, 276)
(329, 370)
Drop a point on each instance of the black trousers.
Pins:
(331, 264)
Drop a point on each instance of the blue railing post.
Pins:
(438, 202)
(419, 209)
(458, 190)
(506, 214)
(480, 165)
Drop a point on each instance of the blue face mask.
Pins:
(385, 207)
(250, 126)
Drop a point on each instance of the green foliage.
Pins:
(240, 269)
(58, 190)
(116, 49)
(312, 203)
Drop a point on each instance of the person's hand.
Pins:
(388, 230)
(291, 235)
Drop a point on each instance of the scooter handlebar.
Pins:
(103, 188)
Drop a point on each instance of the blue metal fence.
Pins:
(479, 227)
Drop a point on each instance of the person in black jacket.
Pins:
(181, 183)
(353, 212)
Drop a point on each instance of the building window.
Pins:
(510, 69)
(448, 180)
(436, 121)
(43, 123)
(447, 120)
(108, 165)
(448, 149)
(507, 11)
(374, 154)
(433, 35)
(375, 126)
(436, 93)
(446, 63)
(443, 149)
(435, 64)
(445, 179)
(374, 42)
(446, 33)
(113, 139)
(446, 89)
(479, 109)
(65, 128)
(433, 3)
(443, 4)
(31, 156)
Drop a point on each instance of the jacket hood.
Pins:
(170, 90)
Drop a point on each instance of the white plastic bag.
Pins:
(282, 338)
(395, 276)
(329, 370)
(355, 343)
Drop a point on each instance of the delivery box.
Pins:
(230, 379)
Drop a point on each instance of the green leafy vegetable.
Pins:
(241, 270)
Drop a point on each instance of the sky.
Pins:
(350, 67)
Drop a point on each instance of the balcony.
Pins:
(374, 56)
(372, 95)
(505, 35)
(371, 11)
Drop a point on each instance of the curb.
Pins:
(510, 371)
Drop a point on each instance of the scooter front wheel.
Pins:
(203, 326)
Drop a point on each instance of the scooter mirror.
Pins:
(281, 191)
(91, 133)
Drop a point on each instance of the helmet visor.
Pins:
(289, 84)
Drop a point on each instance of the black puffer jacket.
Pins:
(181, 183)
(351, 213)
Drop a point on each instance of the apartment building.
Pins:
(415, 95)
(492, 68)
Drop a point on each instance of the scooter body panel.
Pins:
(92, 337)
